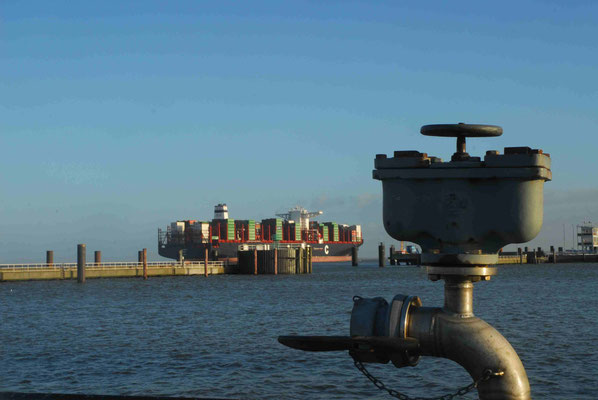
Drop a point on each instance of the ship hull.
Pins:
(321, 252)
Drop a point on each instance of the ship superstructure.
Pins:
(300, 215)
(587, 238)
(223, 237)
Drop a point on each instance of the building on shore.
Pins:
(587, 238)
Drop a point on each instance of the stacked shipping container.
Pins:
(291, 231)
(223, 229)
(355, 233)
(199, 231)
(324, 232)
(332, 231)
(251, 229)
(271, 229)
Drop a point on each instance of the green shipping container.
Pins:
(325, 235)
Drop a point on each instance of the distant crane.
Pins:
(300, 215)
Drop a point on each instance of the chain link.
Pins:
(487, 374)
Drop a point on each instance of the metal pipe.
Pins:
(476, 346)
(453, 332)
(461, 144)
(458, 296)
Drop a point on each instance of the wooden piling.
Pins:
(354, 259)
(381, 255)
(520, 254)
(392, 255)
(144, 260)
(275, 261)
(97, 257)
(531, 256)
(50, 258)
(81, 260)
(255, 261)
(206, 258)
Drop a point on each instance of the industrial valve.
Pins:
(461, 213)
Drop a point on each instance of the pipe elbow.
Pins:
(476, 346)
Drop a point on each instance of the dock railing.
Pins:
(109, 265)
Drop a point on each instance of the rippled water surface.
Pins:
(192, 336)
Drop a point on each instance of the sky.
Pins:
(117, 118)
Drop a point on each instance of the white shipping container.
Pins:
(200, 227)
(177, 227)
(356, 228)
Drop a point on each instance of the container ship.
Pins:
(223, 237)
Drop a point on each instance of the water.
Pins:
(191, 336)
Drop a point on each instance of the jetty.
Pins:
(254, 261)
(521, 256)
(64, 271)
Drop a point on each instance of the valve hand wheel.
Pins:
(461, 131)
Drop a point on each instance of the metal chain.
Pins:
(487, 374)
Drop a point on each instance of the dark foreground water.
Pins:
(191, 336)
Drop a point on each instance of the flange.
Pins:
(475, 273)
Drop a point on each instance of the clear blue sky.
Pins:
(119, 117)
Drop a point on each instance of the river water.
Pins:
(216, 337)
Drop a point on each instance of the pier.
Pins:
(522, 256)
(64, 271)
